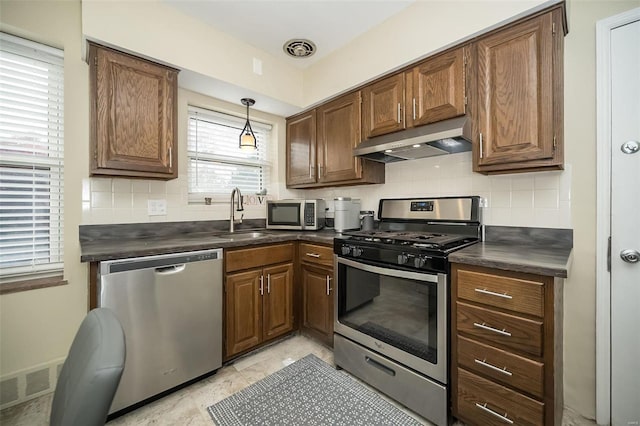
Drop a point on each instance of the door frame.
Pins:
(603, 212)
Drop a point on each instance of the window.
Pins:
(31, 160)
(216, 164)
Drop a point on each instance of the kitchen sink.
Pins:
(236, 236)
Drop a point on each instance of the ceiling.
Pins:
(268, 24)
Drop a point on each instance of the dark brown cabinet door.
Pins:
(133, 116)
(383, 106)
(317, 294)
(301, 149)
(519, 75)
(338, 132)
(278, 300)
(243, 311)
(435, 89)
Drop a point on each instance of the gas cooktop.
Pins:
(411, 238)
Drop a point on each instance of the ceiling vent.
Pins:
(299, 48)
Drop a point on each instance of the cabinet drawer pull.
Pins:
(493, 367)
(328, 285)
(504, 418)
(495, 330)
(491, 293)
(317, 256)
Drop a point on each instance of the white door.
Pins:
(625, 225)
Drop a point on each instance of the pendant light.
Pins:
(247, 137)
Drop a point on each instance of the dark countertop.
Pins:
(533, 259)
(97, 250)
(532, 250)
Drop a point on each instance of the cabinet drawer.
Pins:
(504, 292)
(514, 332)
(258, 257)
(313, 253)
(487, 403)
(504, 367)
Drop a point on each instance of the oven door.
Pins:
(397, 313)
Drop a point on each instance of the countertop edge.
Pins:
(169, 247)
(476, 255)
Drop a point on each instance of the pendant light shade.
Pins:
(247, 137)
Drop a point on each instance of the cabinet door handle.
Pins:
(328, 285)
(480, 144)
(261, 285)
(491, 293)
(493, 367)
(170, 157)
(268, 283)
(414, 108)
(495, 330)
(504, 418)
(399, 113)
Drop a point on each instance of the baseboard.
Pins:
(30, 383)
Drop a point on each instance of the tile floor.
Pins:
(188, 406)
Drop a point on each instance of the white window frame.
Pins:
(263, 133)
(19, 114)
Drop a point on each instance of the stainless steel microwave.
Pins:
(305, 215)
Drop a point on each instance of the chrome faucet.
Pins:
(240, 208)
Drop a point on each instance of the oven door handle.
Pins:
(419, 276)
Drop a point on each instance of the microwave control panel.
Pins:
(309, 214)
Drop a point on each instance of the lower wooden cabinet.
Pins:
(506, 347)
(258, 301)
(316, 269)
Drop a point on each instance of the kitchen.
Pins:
(38, 325)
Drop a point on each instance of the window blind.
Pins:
(31, 159)
(216, 164)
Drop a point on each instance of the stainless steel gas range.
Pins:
(392, 298)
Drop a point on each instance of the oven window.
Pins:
(398, 311)
(284, 214)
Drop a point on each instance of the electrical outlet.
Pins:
(157, 207)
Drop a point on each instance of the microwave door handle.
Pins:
(302, 209)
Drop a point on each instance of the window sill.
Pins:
(32, 284)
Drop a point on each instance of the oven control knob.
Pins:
(418, 262)
(402, 259)
(346, 250)
(357, 251)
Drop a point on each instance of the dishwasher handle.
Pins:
(170, 270)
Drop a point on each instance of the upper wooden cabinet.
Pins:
(431, 91)
(383, 106)
(133, 116)
(320, 147)
(301, 149)
(518, 109)
(435, 89)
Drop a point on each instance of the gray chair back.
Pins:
(91, 373)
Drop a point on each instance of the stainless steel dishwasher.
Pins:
(170, 307)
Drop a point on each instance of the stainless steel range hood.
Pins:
(444, 137)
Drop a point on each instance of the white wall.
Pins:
(36, 327)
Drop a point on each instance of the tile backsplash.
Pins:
(540, 199)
